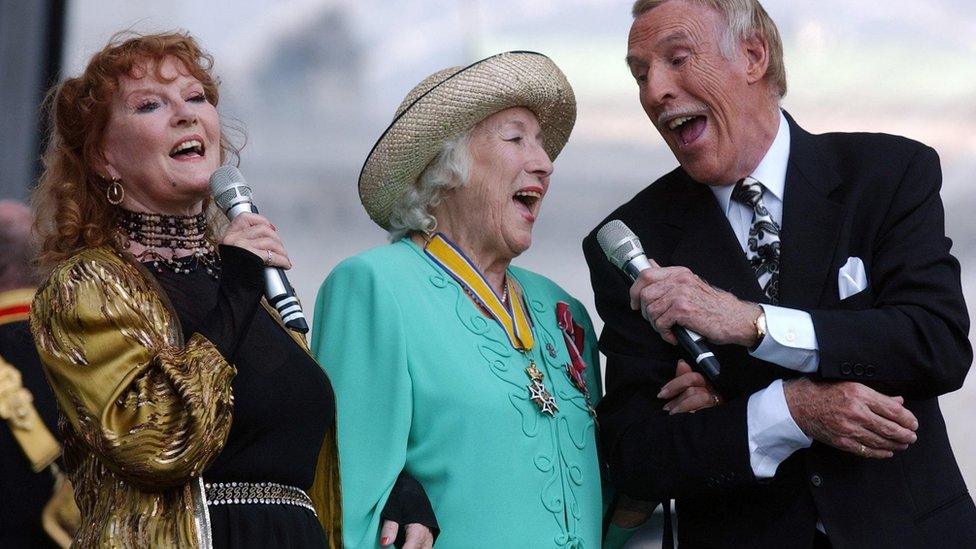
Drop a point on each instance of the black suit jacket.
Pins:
(872, 196)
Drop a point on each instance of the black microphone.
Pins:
(624, 250)
(233, 195)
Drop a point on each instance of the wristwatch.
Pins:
(760, 324)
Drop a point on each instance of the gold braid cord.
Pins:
(17, 408)
(143, 414)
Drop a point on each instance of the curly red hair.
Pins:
(70, 201)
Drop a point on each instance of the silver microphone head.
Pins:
(229, 188)
(619, 243)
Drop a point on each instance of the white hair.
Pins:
(744, 19)
(448, 170)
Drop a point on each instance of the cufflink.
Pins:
(760, 324)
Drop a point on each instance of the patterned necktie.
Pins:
(763, 252)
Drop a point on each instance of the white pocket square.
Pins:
(851, 278)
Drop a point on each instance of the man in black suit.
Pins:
(818, 269)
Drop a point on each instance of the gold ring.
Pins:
(717, 401)
(862, 450)
(268, 260)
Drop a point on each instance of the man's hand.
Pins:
(418, 535)
(689, 391)
(851, 417)
(674, 295)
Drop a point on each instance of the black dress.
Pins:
(283, 401)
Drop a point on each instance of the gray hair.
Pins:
(448, 170)
(745, 19)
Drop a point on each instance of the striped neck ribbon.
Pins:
(513, 318)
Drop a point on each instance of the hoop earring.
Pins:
(430, 229)
(115, 192)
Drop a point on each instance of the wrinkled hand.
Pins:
(257, 235)
(851, 417)
(418, 535)
(674, 295)
(689, 391)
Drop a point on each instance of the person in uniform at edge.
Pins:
(29, 477)
(818, 269)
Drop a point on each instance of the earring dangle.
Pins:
(430, 229)
(115, 192)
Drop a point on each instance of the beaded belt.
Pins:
(272, 493)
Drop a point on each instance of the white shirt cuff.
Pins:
(790, 340)
(773, 435)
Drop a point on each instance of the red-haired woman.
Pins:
(155, 338)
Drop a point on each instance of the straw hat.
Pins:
(450, 101)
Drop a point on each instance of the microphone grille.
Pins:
(227, 184)
(619, 242)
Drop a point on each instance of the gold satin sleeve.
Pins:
(152, 410)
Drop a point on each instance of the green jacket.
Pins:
(426, 383)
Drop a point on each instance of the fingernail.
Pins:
(385, 540)
(667, 408)
(660, 394)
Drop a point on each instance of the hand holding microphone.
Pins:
(256, 234)
(675, 296)
(681, 307)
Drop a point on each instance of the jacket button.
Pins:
(845, 368)
(816, 480)
(858, 370)
(869, 370)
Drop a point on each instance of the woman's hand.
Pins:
(257, 235)
(689, 391)
(418, 535)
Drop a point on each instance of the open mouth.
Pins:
(688, 128)
(190, 148)
(529, 198)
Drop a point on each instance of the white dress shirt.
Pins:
(790, 339)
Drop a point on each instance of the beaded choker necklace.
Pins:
(175, 233)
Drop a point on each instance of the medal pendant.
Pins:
(538, 392)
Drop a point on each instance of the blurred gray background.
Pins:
(315, 82)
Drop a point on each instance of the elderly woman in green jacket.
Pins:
(475, 377)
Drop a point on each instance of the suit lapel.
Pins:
(709, 247)
(811, 222)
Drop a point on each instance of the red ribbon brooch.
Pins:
(575, 337)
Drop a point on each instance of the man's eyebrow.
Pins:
(632, 60)
(676, 36)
